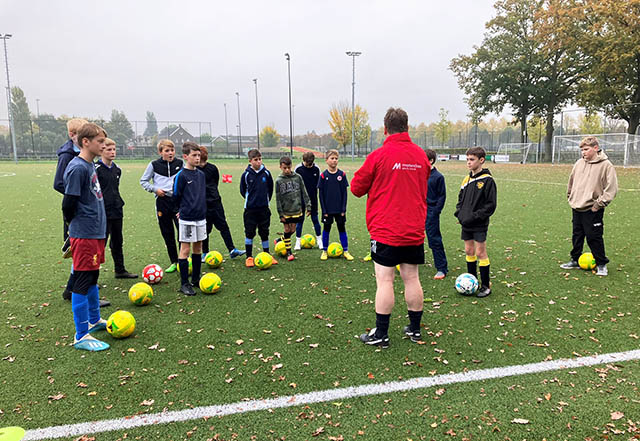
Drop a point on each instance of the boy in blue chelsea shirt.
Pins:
(436, 197)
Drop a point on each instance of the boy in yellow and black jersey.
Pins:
(477, 201)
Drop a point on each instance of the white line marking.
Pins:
(324, 396)
(525, 181)
(6, 174)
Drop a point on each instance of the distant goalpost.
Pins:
(516, 152)
(621, 148)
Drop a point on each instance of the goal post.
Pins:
(621, 148)
(516, 152)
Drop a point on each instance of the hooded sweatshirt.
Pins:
(256, 187)
(592, 183)
(290, 192)
(66, 153)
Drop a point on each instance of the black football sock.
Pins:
(196, 260)
(382, 324)
(472, 265)
(415, 317)
(248, 246)
(287, 242)
(183, 264)
(485, 273)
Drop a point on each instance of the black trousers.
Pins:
(216, 218)
(589, 224)
(65, 234)
(166, 212)
(259, 218)
(114, 229)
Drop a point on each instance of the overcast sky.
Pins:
(184, 59)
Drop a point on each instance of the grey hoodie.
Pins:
(592, 183)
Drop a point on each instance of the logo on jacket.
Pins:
(480, 185)
(396, 166)
(339, 178)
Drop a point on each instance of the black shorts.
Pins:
(293, 219)
(387, 255)
(259, 218)
(83, 280)
(478, 236)
(328, 218)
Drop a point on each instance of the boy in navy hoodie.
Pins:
(190, 196)
(256, 187)
(436, 197)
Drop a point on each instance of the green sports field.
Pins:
(293, 329)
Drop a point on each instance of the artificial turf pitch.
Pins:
(292, 329)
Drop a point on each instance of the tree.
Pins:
(152, 125)
(443, 127)
(269, 136)
(590, 123)
(21, 119)
(611, 47)
(502, 71)
(340, 124)
(119, 128)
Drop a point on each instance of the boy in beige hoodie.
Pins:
(592, 186)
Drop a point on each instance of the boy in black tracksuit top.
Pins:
(256, 187)
(158, 178)
(477, 201)
(310, 174)
(215, 210)
(109, 177)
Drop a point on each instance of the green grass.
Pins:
(229, 347)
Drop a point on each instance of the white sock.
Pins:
(319, 240)
(297, 246)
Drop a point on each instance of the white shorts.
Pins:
(192, 231)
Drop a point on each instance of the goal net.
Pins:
(518, 152)
(621, 148)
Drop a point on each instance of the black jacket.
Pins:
(477, 201)
(65, 154)
(212, 176)
(109, 178)
(256, 187)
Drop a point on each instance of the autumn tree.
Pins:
(340, 124)
(443, 127)
(269, 136)
(590, 123)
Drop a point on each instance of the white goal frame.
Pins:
(621, 148)
(518, 152)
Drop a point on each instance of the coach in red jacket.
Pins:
(395, 178)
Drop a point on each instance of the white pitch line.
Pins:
(6, 174)
(324, 396)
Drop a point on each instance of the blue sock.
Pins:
(265, 246)
(325, 239)
(344, 240)
(248, 246)
(299, 230)
(93, 298)
(80, 308)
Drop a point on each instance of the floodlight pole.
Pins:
(290, 109)
(239, 127)
(5, 37)
(353, 55)
(255, 81)
(226, 127)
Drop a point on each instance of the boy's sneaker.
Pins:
(572, 264)
(367, 258)
(297, 245)
(126, 275)
(100, 325)
(415, 336)
(187, 290)
(66, 248)
(602, 271)
(90, 343)
(172, 268)
(291, 257)
(347, 255)
(273, 260)
(66, 294)
(104, 303)
(236, 252)
(371, 339)
(484, 291)
(203, 257)
(439, 275)
(324, 255)
(278, 239)
(249, 262)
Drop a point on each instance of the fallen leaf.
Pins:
(520, 421)
(147, 402)
(56, 397)
(239, 342)
(318, 431)
(131, 350)
(616, 415)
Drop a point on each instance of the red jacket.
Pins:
(395, 178)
